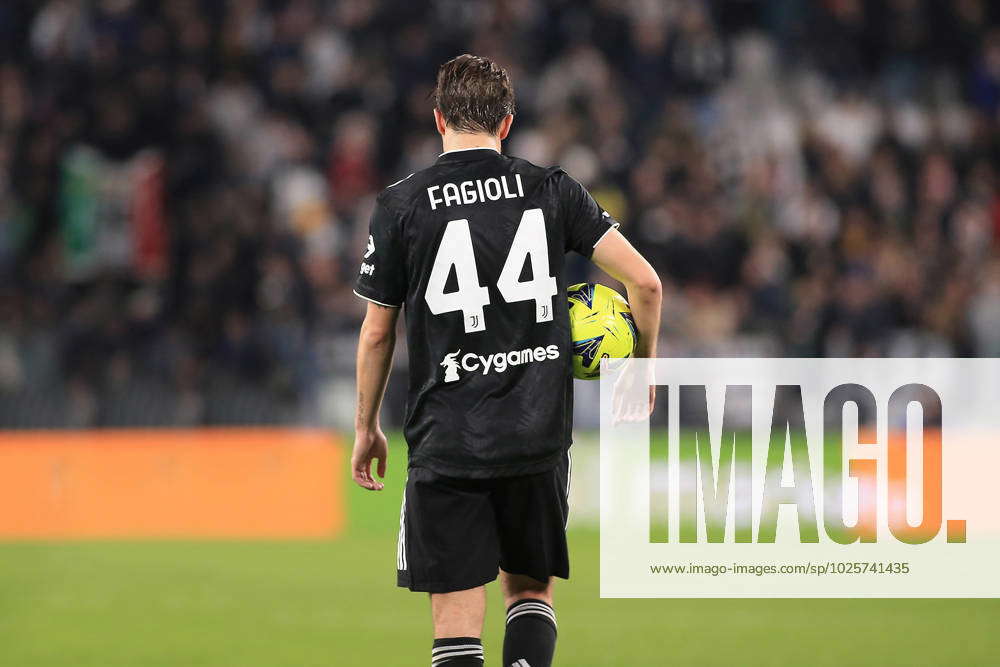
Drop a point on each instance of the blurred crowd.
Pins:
(185, 185)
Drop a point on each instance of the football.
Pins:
(601, 326)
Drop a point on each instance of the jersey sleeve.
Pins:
(585, 221)
(382, 277)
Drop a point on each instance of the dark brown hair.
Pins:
(474, 94)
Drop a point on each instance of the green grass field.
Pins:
(251, 604)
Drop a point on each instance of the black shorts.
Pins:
(455, 533)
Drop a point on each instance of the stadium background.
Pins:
(184, 193)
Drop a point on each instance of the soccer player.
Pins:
(474, 247)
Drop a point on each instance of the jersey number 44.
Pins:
(471, 297)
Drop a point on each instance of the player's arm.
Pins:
(382, 282)
(375, 346)
(616, 256)
(592, 232)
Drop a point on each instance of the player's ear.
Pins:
(439, 122)
(505, 124)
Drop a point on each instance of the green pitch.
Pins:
(251, 604)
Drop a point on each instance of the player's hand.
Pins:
(633, 386)
(369, 445)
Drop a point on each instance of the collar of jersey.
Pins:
(468, 153)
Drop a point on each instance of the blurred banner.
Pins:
(111, 214)
(801, 478)
(214, 483)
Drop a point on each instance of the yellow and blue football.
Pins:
(601, 326)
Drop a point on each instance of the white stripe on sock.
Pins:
(525, 610)
(536, 606)
(530, 605)
(439, 649)
(441, 659)
(514, 618)
(540, 612)
(451, 654)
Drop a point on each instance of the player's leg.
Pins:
(448, 547)
(530, 635)
(531, 518)
(458, 626)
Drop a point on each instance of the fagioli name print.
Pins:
(475, 192)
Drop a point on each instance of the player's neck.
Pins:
(459, 141)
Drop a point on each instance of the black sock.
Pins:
(530, 640)
(457, 652)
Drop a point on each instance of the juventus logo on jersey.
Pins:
(371, 247)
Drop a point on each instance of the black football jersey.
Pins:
(474, 247)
